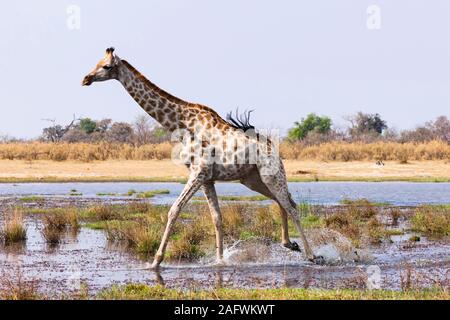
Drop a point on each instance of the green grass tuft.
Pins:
(144, 292)
(30, 199)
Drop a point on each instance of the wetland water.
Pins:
(324, 193)
(88, 258)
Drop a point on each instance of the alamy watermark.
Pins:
(73, 20)
(228, 147)
(373, 281)
(373, 21)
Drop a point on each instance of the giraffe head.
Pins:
(105, 69)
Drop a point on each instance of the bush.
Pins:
(312, 123)
(433, 221)
(14, 229)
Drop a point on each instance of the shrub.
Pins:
(14, 228)
(433, 221)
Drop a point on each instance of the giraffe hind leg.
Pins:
(277, 184)
(253, 182)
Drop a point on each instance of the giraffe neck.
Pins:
(163, 107)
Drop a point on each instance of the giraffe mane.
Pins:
(240, 121)
(235, 123)
(153, 86)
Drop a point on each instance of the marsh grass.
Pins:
(131, 192)
(142, 237)
(235, 198)
(101, 212)
(433, 221)
(139, 225)
(243, 221)
(31, 199)
(186, 245)
(56, 224)
(13, 230)
(52, 236)
(362, 202)
(359, 222)
(395, 214)
(136, 291)
(151, 193)
(233, 219)
(16, 287)
(265, 223)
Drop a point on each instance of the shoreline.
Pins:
(21, 171)
(14, 180)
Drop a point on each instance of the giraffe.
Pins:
(222, 153)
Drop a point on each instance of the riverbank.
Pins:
(16, 171)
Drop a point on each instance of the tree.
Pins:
(312, 123)
(431, 130)
(120, 132)
(56, 132)
(103, 125)
(441, 128)
(142, 130)
(364, 123)
(87, 125)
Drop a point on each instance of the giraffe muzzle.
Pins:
(87, 81)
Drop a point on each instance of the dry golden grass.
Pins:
(85, 152)
(14, 229)
(433, 221)
(122, 162)
(344, 151)
(332, 151)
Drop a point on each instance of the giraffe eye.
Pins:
(107, 67)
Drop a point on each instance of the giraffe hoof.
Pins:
(219, 263)
(292, 246)
(156, 263)
(154, 266)
(317, 260)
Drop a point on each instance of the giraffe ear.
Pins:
(110, 50)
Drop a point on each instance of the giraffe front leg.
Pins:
(189, 190)
(213, 203)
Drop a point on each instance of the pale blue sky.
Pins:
(282, 58)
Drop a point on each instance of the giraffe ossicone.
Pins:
(213, 149)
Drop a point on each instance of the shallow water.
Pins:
(325, 193)
(89, 259)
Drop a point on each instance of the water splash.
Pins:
(260, 251)
(331, 245)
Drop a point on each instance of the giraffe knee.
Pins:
(217, 220)
(171, 215)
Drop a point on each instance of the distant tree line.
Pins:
(142, 131)
(310, 130)
(364, 127)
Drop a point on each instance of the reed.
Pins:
(433, 221)
(14, 229)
